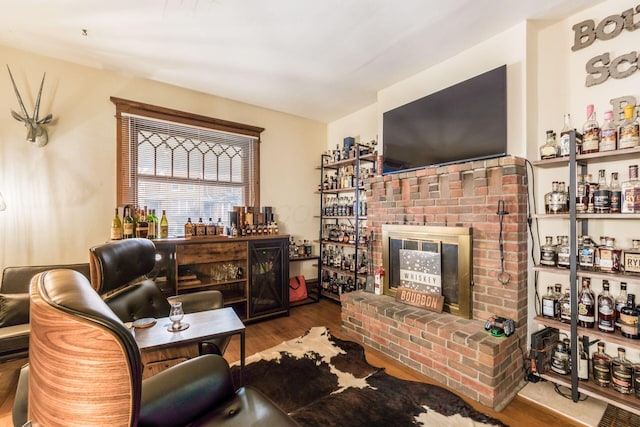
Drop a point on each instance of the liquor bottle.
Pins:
(606, 309)
(564, 253)
(116, 227)
(628, 129)
(586, 254)
(550, 304)
(548, 253)
(586, 305)
(631, 258)
(550, 149)
(136, 217)
(615, 197)
(630, 192)
(565, 137)
(142, 227)
(565, 307)
(583, 364)
(629, 318)
(210, 229)
(590, 132)
(560, 361)
(276, 230)
(200, 228)
(234, 230)
(610, 257)
(220, 227)
(601, 366)
(601, 197)
(582, 193)
(164, 225)
(555, 200)
(620, 301)
(591, 207)
(563, 195)
(608, 133)
(188, 229)
(621, 373)
(153, 224)
(127, 224)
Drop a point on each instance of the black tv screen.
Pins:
(466, 121)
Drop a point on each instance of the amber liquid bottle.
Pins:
(629, 318)
(586, 305)
(606, 310)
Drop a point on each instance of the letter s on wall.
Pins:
(601, 70)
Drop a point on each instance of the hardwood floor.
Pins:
(266, 334)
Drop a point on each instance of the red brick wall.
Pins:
(454, 351)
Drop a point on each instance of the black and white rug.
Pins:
(323, 381)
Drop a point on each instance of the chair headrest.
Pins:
(116, 264)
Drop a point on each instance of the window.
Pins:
(188, 165)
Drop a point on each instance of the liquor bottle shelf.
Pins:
(349, 217)
(341, 271)
(348, 245)
(302, 258)
(618, 277)
(624, 154)
(591, 216)
(613, 337)
(204, 282)
(350, 161)
(340, 190)
(627, 402)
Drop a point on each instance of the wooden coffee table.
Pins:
(161, 349)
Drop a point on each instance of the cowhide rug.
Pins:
(323, 381)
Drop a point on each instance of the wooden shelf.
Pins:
(303, 258)
(349, 217)
(618, 277)
(614, 338)
(340, 190)
(348, 245)
(341, 271)
(350, 161)
(205, 282)
(605, 156)
(628, 402)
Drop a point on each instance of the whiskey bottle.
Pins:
(188, 229)
(548, 253)
(560, 363)
(590, 132)
(591, 207)
(615, 197)
(629, 318)
(565, 137)
(628, 129)
(200, 228)
(557, 199)
(606, 309)
(583, 364)
(620, 301)
(609, 257)
(550, 149)
(142, 227)
(550, 304)
(164, 225)
(601, 366)
(602, 194)
(630, 192)
(608, 133)
(564, 197)
(220, 227)
(586, 305)
(582, 194)
(116, 227)
(621, 373)
(564, 253)
(586, 254)
(211, 228)
(631, 258)
(565, 307)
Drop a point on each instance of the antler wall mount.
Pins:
(36, 133)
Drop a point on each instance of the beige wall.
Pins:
(61, 197)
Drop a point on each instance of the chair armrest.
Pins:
(199, 301)
(184, 392)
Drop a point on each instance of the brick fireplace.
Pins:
(455, 351)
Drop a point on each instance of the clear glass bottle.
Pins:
(615, 196)
(629, 318)
(608, 133)
(549, 304)
(549, 195)
(583, 364)
(610, 257)
(586, 305)
(590, 132)
(628, 136)
(606, 310)
(557, 199)
(601, 197)
(621, 373)
(631, 258)
(565, 138)
(582, 193)
(586, 254)
(565, 307)
(560, 361)
(564, 197)
(211, 227)
(601, 366)
(548, 253)
(591, 207)
(630, 192)
(620, 301)
(550, 149)
(164, 225)
(564, 253)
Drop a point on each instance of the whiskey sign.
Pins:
(424, 300)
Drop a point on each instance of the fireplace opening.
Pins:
(430, 259)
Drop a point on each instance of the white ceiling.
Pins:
(319, 59)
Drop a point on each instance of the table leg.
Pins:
(242, 358)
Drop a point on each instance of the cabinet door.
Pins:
(269, 278)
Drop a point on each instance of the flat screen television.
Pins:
(466, 121)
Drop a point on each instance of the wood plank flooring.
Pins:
(266, 334)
